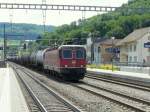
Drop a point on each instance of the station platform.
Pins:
(11, 97)
(121, 74)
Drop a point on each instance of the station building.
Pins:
(132, 47)
(102, 50)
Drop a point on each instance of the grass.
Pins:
(103, 66)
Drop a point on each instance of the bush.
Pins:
(103, 66)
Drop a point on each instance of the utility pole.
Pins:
(112, 38)
(44, 15)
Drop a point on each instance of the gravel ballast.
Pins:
(88, 101)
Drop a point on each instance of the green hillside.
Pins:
(119, 23)
(30, 31)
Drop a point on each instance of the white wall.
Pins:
(133, 52)
(123, 53)
(88, 48)
(97, 57)
(141, 52)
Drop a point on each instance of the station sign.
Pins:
(147, 45)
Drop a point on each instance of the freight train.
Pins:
(66, 61)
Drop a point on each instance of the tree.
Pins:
(39, 39)
(118, 23)
(146, 23)
(116, 32)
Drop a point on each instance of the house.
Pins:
(108, 50)
(99, 50)
(92, 51)
(132, 46)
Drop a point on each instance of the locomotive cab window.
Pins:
(67, 54)
(79, 54)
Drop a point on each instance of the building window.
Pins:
(127, 49)
(130, 58)
(135, 58)
(95, 50)
(149, 37)
(130, 47)
(134, 47)
(99, 49)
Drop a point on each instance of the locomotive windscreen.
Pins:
(79, 54)
(67, 54)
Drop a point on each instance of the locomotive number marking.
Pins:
(73, 61)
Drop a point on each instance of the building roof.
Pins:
(135, 35)
(109, 42)
(98, 39)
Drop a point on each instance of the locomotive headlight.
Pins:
(66, 65)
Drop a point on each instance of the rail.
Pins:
(60, 98)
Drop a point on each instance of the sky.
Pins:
(52, 17)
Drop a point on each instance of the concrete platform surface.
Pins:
(11, 97)
(122, 74)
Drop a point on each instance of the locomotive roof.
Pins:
(49, 49)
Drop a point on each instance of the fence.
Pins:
(2, 64)
(137, 67)
(133, 64)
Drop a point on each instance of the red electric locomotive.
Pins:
(69, 61)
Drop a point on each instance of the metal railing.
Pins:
(134, 64)
(2, 64)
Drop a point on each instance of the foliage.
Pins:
(104, 66)
(118, 23)
(30, 31)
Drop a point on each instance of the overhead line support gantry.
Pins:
(56, 7)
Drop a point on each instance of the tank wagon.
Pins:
(67, 61)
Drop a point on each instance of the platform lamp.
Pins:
(112, 38)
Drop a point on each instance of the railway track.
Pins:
(120, 94)
(133, 103)
(136, 104)
(33, 107)
(46, 99)
(119, 82)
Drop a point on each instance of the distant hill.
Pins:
(30, 31)
(10, 42)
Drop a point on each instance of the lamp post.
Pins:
(112, 38)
